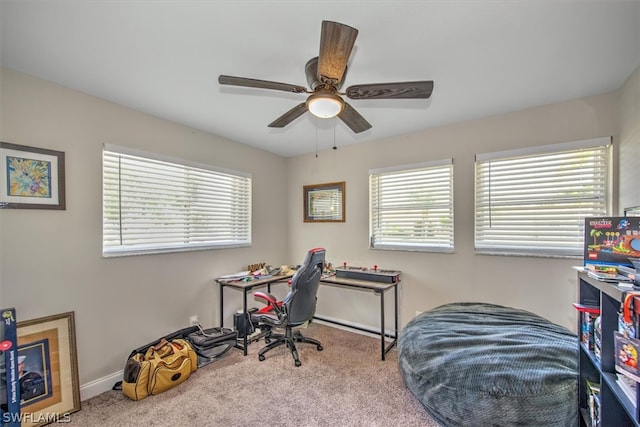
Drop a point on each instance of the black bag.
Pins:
(243, 324)
(211, 343)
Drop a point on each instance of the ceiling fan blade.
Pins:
(336, 43)
(421, 89)
(353, 119)
(289, 116)
(260, 84)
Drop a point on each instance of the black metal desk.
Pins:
(341, 282)
(379, 289)
(245, 287)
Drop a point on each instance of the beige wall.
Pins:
(52, 260)
(630, 142)
(542, 285)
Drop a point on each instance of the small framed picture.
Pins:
(31, 178)
(324, 202)
(48, 369)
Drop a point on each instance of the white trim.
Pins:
(119, 252)
(99, 386)
(411, 166)
(415, 248)
(162, 158)
(540, 149)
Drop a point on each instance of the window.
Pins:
(412, 207)
(533, 202)
(155, 205)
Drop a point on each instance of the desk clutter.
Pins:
(262, 270)
(257, 272)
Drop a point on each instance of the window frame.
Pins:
(435, 245)
(196, 175)
(483, 246)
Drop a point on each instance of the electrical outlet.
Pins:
(193, 320)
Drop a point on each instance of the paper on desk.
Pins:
(238, 275)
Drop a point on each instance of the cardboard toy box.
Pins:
(611, 240)
(9, 385)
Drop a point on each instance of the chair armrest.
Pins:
(269, 299)
(271, 304)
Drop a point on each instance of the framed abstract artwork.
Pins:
(48, 369)
(31, 178)
(324, 202)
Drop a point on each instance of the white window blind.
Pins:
(412, 207)
(534, 202)
(153, 205)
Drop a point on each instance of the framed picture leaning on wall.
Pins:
(48, 369)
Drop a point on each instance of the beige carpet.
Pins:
(346, 384)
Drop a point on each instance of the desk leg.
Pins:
(244, 310)
(382, 324)
(221, 305)
(395, 296)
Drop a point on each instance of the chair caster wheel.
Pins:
(261, 357)
(320, 348)
(298, 363)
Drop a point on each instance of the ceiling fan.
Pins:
(325, 75)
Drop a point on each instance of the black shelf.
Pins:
(616, 409)
(621, 397)
(591, 356)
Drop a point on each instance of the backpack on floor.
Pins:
(210, 344)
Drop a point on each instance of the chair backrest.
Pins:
(300, 302)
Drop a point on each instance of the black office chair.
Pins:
(297, 307)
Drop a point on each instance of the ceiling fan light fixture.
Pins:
(325, 104)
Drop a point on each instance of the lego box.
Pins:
(9, 383)
(611, 240)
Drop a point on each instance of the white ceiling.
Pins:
(163, 57)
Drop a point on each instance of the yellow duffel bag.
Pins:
(159, 369)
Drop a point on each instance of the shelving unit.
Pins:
(616, 409)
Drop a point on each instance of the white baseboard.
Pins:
(99, 386)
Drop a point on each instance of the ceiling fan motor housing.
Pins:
(311, 71)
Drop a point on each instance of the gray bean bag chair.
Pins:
(478, 364)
